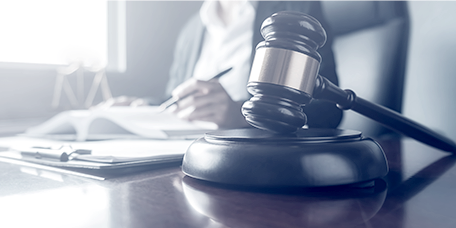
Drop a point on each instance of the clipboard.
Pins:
(105, 165)
(94, 170)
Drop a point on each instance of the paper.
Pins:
(117, 122)
(130, 150)
(108, 150)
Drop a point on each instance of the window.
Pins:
(46, 33)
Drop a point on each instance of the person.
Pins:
(223, 34)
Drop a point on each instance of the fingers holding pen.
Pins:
(192, 107)
(207, 101)
(193, 94)
(188, 87)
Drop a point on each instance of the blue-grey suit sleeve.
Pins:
(186, 53)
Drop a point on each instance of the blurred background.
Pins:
(50, 48)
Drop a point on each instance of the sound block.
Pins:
(308, 158)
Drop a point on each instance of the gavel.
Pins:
(284, 77)
(278, 151)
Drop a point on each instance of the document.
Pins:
(118, 122)
(112, 157)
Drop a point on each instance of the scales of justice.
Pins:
(279, 152)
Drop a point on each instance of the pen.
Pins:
(168, 103)
(61, 154)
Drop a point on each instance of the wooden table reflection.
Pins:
(417, 192)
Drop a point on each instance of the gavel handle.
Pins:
(347, 99)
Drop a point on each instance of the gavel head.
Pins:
(284, 71)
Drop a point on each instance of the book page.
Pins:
(118, 122)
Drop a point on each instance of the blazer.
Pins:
(190, 40)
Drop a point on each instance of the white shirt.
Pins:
(227, 46)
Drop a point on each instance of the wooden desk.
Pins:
(419, 191)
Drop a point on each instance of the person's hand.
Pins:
(207, 101)
(121, 101)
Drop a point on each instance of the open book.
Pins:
(118, 122)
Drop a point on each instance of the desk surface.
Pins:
(418, 192)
